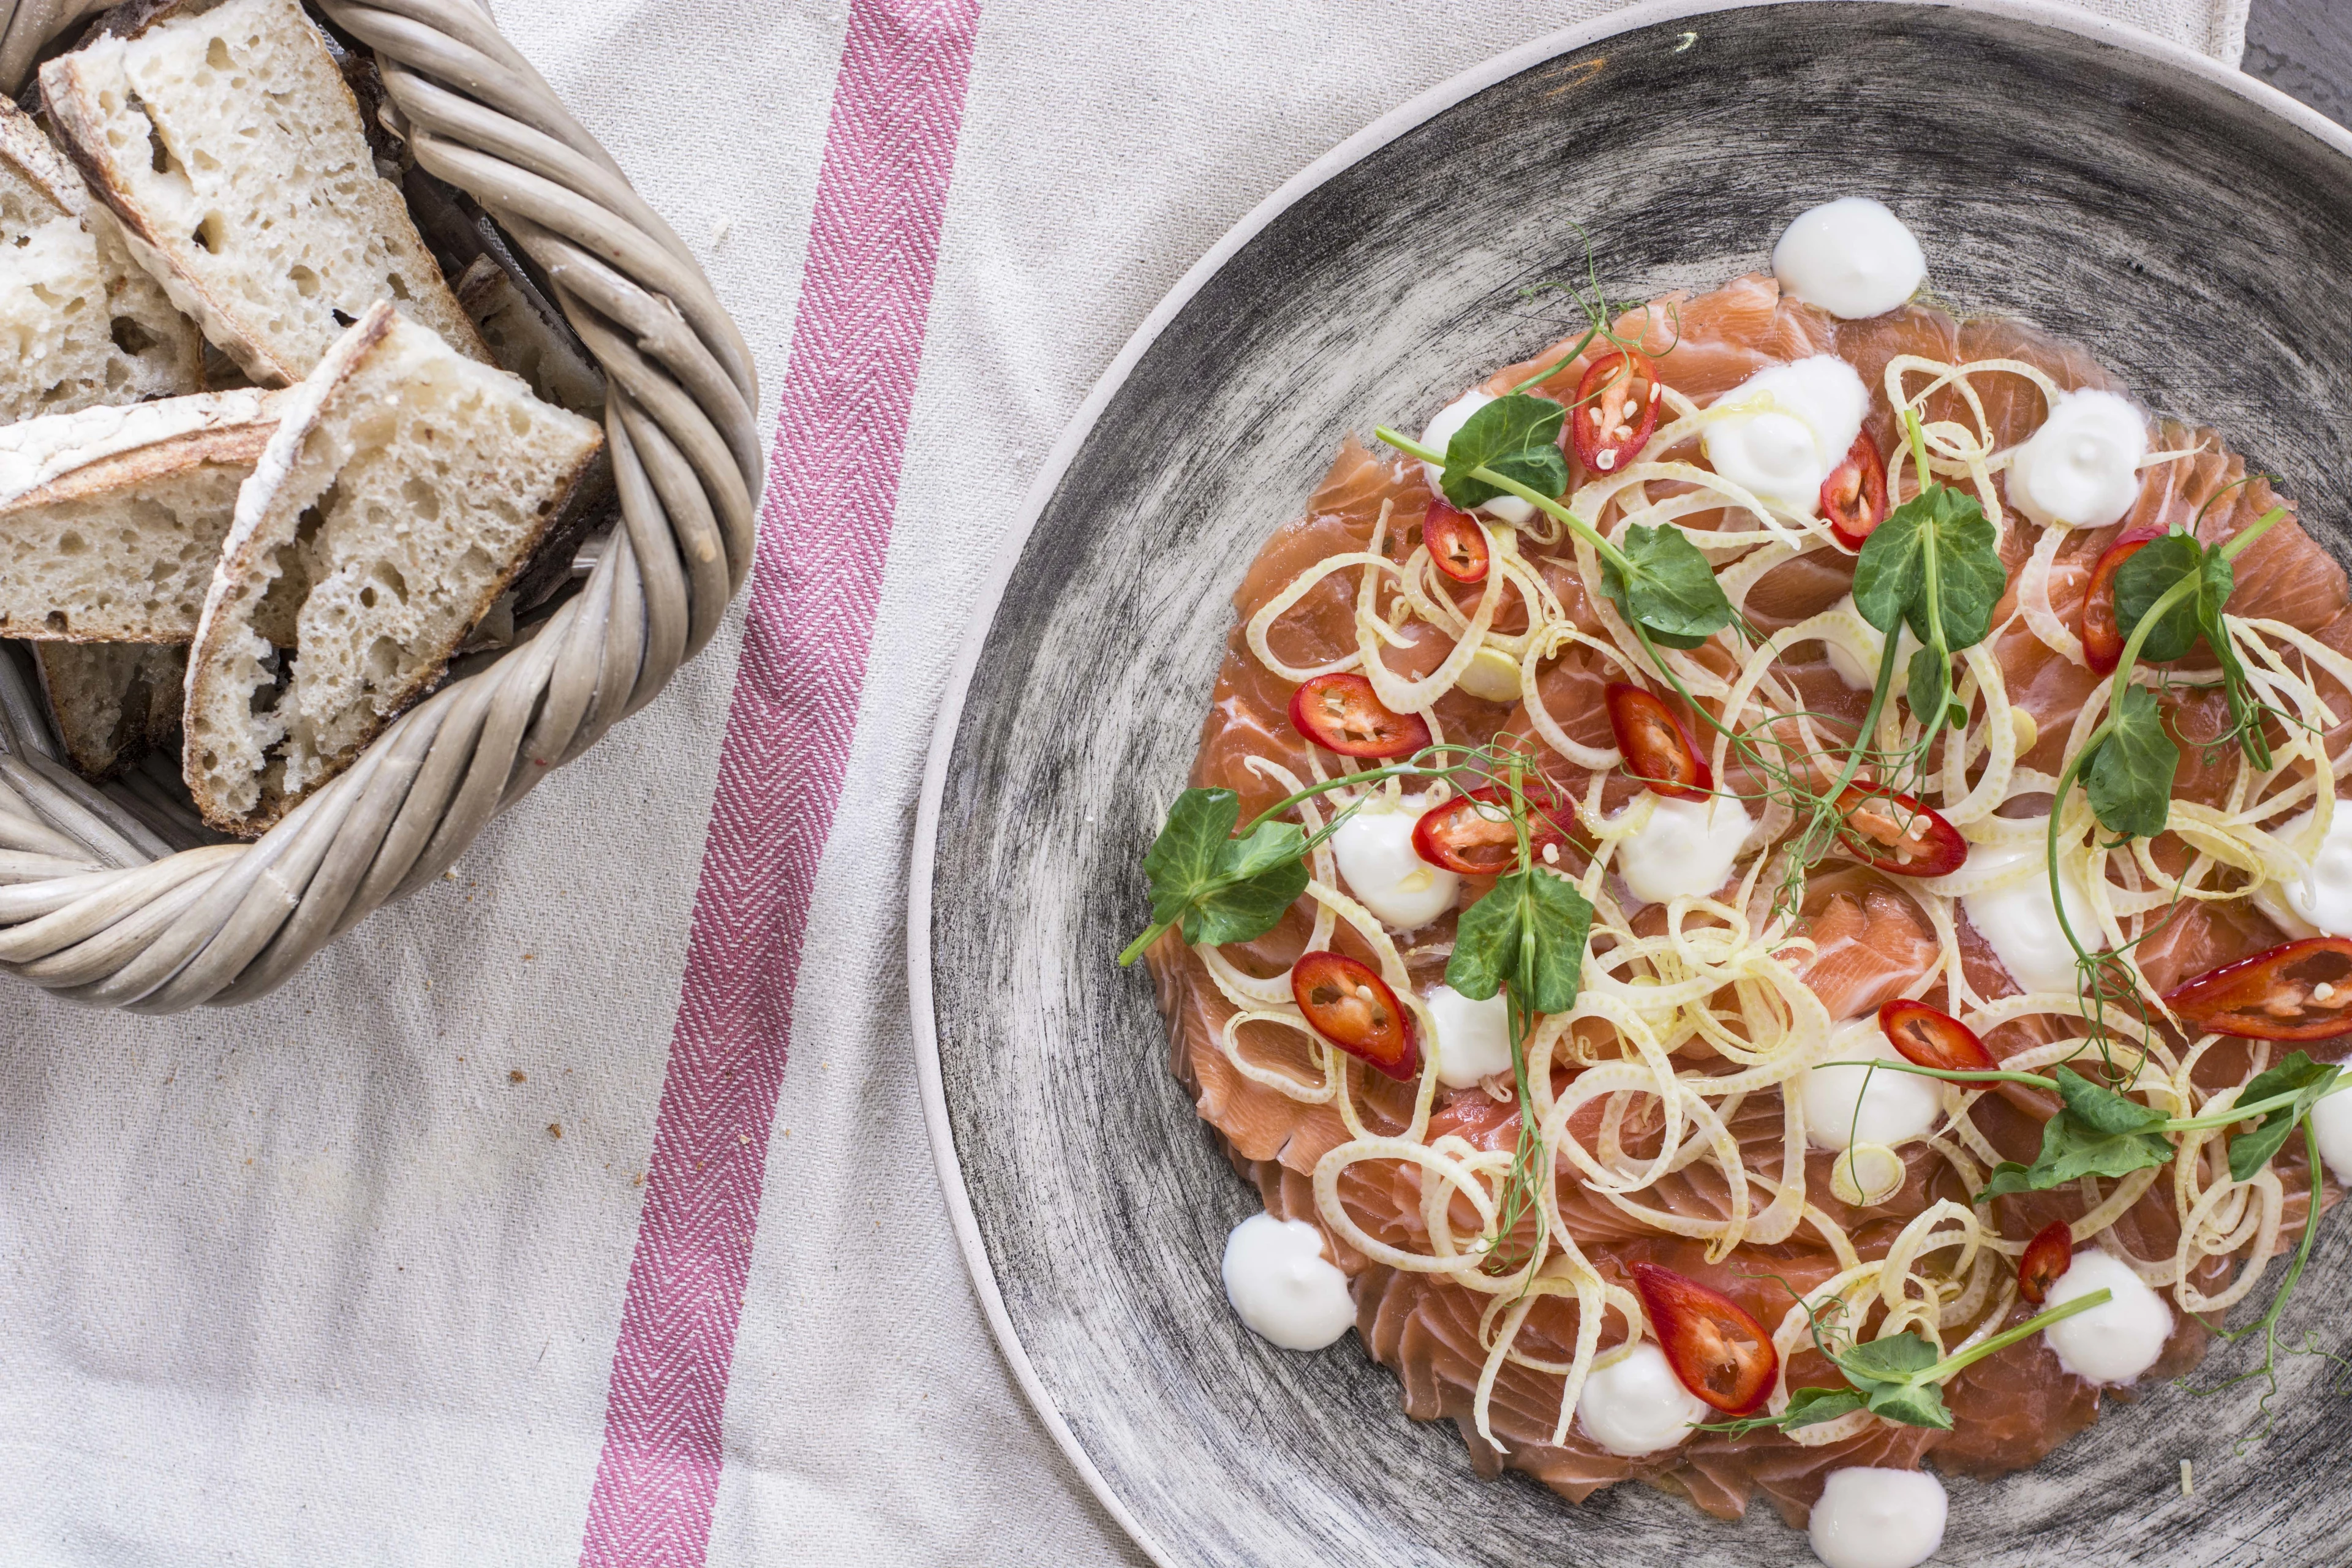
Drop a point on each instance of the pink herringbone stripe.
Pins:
(824, 528)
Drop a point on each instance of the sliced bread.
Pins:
(229, 145)
(527, 339)
(405, 487)
(112, 518)
(83, 323)
(111, 700)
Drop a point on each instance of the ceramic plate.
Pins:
(2186, 222)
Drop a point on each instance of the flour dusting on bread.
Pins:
(402, 490)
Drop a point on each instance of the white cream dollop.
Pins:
(1440, 430)
(1687, 848)
(1474, 1038)
(1636, 1405)
(1381, 868)
(2117, 1339)
(2081, 468)
(2331, 1122)
(1847, 1105)
(1873, 1518)
(1851, 256)
(1282, 1287)
(2017, 917)
(2322, 896)
(1852, 671)
(1784, 453)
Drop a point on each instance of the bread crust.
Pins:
(70, 96)
(242, 578)
(228, 430)
(28, 151)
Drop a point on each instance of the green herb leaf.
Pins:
(2151, 573)
(2070, 1152)
(1246, 902)
(1811, 1406)
(1670, 590)
(2102, 1109)
(1516, 437)
(2130, 775)
(1890, 577)
(1888, 1373)
(1528, 906)
(2099, 1134)
(1889, 1359)
(1806, 1407)
(1931, 685)
(1912, 1403)
(1221, 888)
(2007, 1177)
(2245, 711)
(2307, 1081)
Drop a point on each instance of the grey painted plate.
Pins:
(2186, 222)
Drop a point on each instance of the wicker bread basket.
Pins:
(94, 903)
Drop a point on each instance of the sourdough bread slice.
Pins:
(84, 324)
(526, 338)
(403, 487)
(229, 145)
(112, 518)
(111, 700)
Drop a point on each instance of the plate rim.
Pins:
(1423, 107)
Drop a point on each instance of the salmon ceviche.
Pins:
(1763, 901)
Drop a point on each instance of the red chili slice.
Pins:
(2048, 1255)
(1351, 1006)
(1853, 497)
(1471, 833)
(1456, 543)
(1896, 833)
(2298, 991)
(2102, 640)
(1616, 409)
(1342, 714)
(1658, 748)
(1931, 1039)
(1720, 1353)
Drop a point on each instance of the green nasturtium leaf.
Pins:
(1670, 590)
(2130, 776)
(1530, 931)
(1516, 437)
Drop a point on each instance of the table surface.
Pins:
(2305, 47)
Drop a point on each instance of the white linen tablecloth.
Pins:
(580, 1209)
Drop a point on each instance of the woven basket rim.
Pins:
(98, 901)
